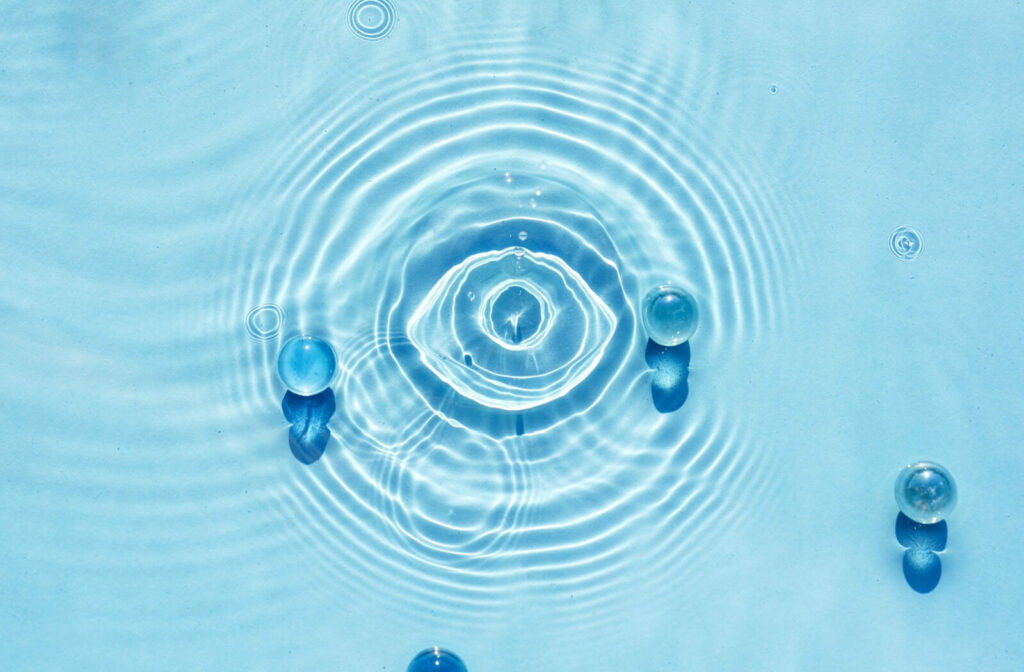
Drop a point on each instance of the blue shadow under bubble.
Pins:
(308, 435)
(671, 365)
(921, 565)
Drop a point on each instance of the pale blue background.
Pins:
(142, 524)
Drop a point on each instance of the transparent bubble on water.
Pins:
(264, 322)
(669, 315)
(905, 243)
(436, 660)
(925, 492)
(523, 235)
(306, 365)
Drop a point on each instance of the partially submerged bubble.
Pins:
(306, 365)
(669, 315)
(436, 660)
(925, 492)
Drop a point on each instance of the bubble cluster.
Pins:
(925, 492)
(372, 19)
(905, 243)
(264, 322)
(669, 315)
(306, 365)
(436, 660)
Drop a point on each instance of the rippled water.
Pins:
(469, 203)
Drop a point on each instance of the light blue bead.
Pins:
(925, 492)
(436, 660)
(306, 365)
(669, 315)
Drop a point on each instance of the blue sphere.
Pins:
(669, 315)
(306, 365)
(925, 492)
(436, 660)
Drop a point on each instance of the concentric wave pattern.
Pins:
(475, 247)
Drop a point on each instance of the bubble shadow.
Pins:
(308, 436)
(671, 364)
(921, 565)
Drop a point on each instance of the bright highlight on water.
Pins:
(925, 492)
(669, 315)
(306, 365)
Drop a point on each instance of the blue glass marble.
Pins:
(436, 660)
(925, 492)
(306, 365)
(669, 314)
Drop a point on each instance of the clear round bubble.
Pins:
(264, 322)
(925, 492)
(436, 660)
(372, 19)
(669, 315)
(773, 89)
(306, 365)
(905, 243)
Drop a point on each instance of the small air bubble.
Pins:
(523, 235)
(773, 89)
(905, 243)
(264, 322)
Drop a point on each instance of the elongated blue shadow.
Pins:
(308, 435)
(671, 365)
(921, 565)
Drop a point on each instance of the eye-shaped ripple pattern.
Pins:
(474, 238)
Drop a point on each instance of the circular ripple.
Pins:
(905, 242)
(372, 19)
(474, 232)
(264, 322)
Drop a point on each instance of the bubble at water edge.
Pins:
(438, 660)
(306, 365)
(264, 322)
(925, 492)
(361, 11)
(906, 243)
(669, 315)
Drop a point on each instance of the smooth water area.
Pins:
(491, 447)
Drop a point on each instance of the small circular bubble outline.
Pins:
(906, 243)
(253, 327)
(379, 31)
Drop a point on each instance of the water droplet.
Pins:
(669, 315)
(372, 19)
(925, 492)
(537, 192)
(773, 89)
(264, 322)
(905, 243)
(523, 235)
(306, 365)
(508, 177)
(436, 660)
